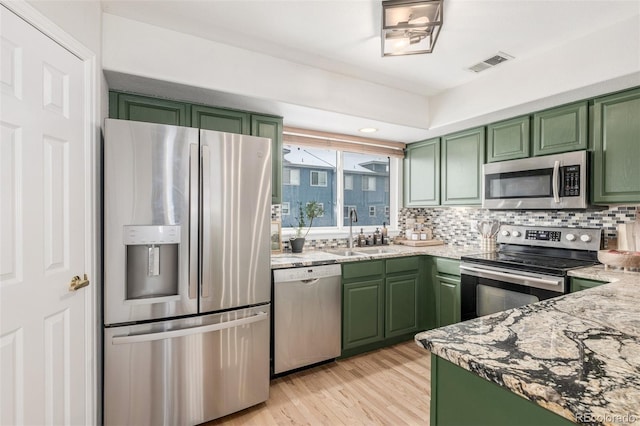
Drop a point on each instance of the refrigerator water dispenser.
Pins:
(152, 261)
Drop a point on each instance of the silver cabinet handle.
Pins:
(556, 181)
(194, 201)
(172, 334)
(556, 283)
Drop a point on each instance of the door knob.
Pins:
(77, 283)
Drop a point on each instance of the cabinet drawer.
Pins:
(362, 269)
(447, 266)
(403, 264)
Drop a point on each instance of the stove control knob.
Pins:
(585, 238)
(516, 233)
(570, 237)
(505, 233)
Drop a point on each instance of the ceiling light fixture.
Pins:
(410, 27)
(368, 130)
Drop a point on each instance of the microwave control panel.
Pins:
(570, 185)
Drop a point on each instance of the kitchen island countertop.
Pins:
(577, 355)
(320, 257)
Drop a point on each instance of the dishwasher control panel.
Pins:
(306, 273)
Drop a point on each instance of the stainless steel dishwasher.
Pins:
(307, 316)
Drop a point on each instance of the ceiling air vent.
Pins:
(490, 62)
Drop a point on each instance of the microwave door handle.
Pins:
(556, 182)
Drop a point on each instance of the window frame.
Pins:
(396, 172)
(372, 211)
(282, 209)
(319, 173)
(368, 179)
(350, 176)
(291, 169)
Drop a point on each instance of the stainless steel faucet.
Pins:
(353, 217)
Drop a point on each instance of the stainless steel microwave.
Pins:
(550, 182)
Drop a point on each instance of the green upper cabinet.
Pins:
(462, 158)
(220, 119)
(616, 146)
(508, 140)
(271, 127)
(422, 174)
(560, 129)
(152, 110)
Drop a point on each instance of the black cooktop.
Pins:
(529, 262)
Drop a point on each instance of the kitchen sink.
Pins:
(376, 250)
(344, 252)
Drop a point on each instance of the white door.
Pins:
(45, 364)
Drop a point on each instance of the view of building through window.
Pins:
(312, 174)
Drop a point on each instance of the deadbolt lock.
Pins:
(77, 283)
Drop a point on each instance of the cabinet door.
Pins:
(271, 127)
(447, 300)
(220, 119)
(560, 129)
(363, 313)
(422, 174)
(401, 305)
(462, 160)
(508, 140)
(151, 110)
(578, 284)
(616, 148)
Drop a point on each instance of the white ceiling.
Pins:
(343, 36)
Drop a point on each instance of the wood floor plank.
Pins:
(388, 386)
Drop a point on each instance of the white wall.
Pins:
(140, 49)
(603, 62)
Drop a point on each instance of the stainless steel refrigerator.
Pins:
(187, 216)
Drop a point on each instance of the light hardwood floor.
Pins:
(390, 386)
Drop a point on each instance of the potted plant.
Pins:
(310, 211)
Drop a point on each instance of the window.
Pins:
(368, 183)
(290, 176)
(284, 209)
(347, 209)
(320, 172)
(348, 182)
(318, 178)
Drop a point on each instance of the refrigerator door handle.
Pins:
(193, 220)
(172, 334)
(206, 222)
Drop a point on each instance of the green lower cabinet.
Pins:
(402, 297)
(363, 313)
(616, 148)
(560, 129)
(381, 303)
(460, 398)
(125, 106)
(508, 140)
(447, 300)
(578, 284)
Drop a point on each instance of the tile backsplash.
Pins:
(456, 225)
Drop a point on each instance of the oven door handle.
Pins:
(497, 274)
(556, 182)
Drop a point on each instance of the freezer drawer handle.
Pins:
(172, 334)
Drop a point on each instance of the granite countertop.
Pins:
(577, 355)
(321, 257)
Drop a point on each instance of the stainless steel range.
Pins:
(531, 264)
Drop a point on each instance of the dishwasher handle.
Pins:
(172, 334)
(310, 281)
